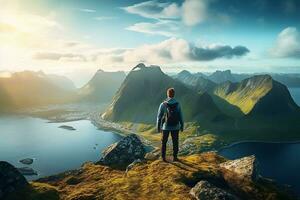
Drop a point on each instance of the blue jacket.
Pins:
(161, 112)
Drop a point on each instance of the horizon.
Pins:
(75, 38)
(82, 82)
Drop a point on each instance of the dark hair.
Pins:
(171, 92)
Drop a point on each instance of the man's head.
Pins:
(171, 92)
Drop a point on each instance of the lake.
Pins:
(54, 149)
(295, 92)
(279, 161)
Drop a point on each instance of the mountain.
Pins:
(28, 88)
(102, 87)
(221, 76)
(197, 82)
(259, 94)
(144, 89)
(62, 82)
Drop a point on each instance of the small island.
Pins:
(70, 128)
(26, 161)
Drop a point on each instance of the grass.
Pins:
(152, 180)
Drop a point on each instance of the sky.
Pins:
(76, 37)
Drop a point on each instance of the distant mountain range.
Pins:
(102, 87)
(26, 89)
(290, 80)
(143, 90)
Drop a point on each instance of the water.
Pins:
(295, 92)
(279, 161)
(54, 149)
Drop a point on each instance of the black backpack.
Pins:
(172, 114)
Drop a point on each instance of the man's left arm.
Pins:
(181, 119)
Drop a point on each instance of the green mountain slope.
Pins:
(144, 89)
(257, 95)
(102, 87)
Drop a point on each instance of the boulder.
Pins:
(154, 155)
(11, 179)
(124, 152)
(129, 167)
(203, 190)
(245, 168)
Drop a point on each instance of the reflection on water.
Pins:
(54, 149)
(279, 161)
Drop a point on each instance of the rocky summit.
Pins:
(196, 176)
(11, 179)
(124, 152)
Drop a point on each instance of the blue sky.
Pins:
(76, 37)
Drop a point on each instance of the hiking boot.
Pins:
(175, 159)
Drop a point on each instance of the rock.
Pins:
(11, 179)
(27, 171)
(246, 167)
(203, 190)
(124, 152)
(152, 156)
(72, 180)
(26, 161)
(129, 167)
(70, 128)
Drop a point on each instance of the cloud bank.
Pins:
(189, 13)
(287, 44)
(168, 51)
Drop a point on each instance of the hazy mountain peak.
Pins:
(139, 66)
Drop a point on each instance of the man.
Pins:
(169, 120)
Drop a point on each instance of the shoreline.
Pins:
(258, 141)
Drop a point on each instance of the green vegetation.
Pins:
(153, 180)
(135, 104)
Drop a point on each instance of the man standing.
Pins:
(169, 120)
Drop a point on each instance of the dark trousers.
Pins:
(164, 140)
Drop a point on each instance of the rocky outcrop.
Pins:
(203, 190)
(11, 179)
(27, 171)
(245, 168)
(152, 156)
(124, 152)
(129, 167)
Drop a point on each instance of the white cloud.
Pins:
(59, 56)
(194, 11)
(287, 44)
(190, 13)
(172, 50)
(161, 27)
(179, 50)
(87, 10)
(154, 9)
